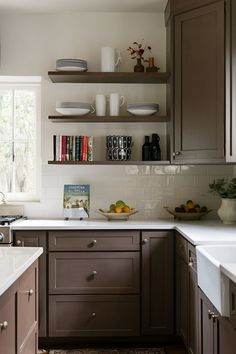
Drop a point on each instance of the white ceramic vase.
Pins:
(227, 211)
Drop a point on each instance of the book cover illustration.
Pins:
(76, 201)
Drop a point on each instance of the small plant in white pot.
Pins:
(226, 189)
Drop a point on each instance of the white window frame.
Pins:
(34, 83)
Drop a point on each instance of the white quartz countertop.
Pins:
(201, 232)
(14, 261)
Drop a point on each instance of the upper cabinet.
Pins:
(196, 59)
(230, 81)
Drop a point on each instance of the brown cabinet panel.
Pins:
(192, 303)
(107, 240)
(206, 329)
(182, 298)
(93, 315)
(157, 282)
(93, 272)
(8, 331)
(37, 239)
(27, 307)
(199, 84)
(31, 344)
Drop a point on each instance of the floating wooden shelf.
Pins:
(108, 119)
(109, 162)
(108, 77)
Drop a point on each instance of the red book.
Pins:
(63, 148)
(84, 148)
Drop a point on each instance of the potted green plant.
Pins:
(226, 189)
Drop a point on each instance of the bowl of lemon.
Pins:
(118, 211)
(189, 211)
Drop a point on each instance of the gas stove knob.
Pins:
(1, 236)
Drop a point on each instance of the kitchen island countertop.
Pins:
(201, 232)
(14, 261)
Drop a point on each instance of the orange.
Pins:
(118, 210)
(126, 209)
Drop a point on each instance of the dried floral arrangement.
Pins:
(138, 49)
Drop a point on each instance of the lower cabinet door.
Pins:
(31, 344)
(8, 323)
(206, 330)
(93, 315)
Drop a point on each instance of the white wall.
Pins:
(30, 45)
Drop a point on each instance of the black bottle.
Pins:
(146, 149)
(155, 150)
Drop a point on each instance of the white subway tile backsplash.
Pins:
(147, 188)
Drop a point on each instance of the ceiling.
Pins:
(55, 6)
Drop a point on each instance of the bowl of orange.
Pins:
(118, 211)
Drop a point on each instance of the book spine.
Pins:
(67, 148)
(76, 148)
(80, 148)
(54, 147)
(71, 148)
(84, 147)
(90, 148)
(59, 147)
(63, 149)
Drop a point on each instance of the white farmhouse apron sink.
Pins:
(210, 278)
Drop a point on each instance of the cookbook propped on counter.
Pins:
(76, 201)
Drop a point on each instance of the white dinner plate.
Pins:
(142, 112)
(73, 111)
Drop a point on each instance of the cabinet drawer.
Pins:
(182, 247)
(94, 240)
(27, 309)
(93, 272)
(93, 315)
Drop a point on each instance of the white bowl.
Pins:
(73, 111)
(142, 112)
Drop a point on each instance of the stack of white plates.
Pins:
(73, 108)
(71, 65)
(142, 109)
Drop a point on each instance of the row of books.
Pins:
(73, 148)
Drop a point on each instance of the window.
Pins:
(19, 140)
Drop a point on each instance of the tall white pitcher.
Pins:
(110, 59)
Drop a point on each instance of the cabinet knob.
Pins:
(94, 242)
(210, 314)
(145, 240)
(190, 263)
(94, 272)
(30, 292)
(4, 325)
(18, 242)
(214, 317)
(93, 314)
(176, 153)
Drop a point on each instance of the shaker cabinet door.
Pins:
(199, 85)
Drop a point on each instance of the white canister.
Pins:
(115, 102)
(110, 58)
(100, 105)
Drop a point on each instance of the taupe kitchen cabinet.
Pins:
(230, 80)
(27, 311)
(19, 315)
(216, 334)
(186, 294)
(157, 283)
(37, 239)
(195, 58)
(94, 283)
(8, 337)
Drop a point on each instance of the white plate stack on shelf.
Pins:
(71, 65)
(73, 108)
(142, 109)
